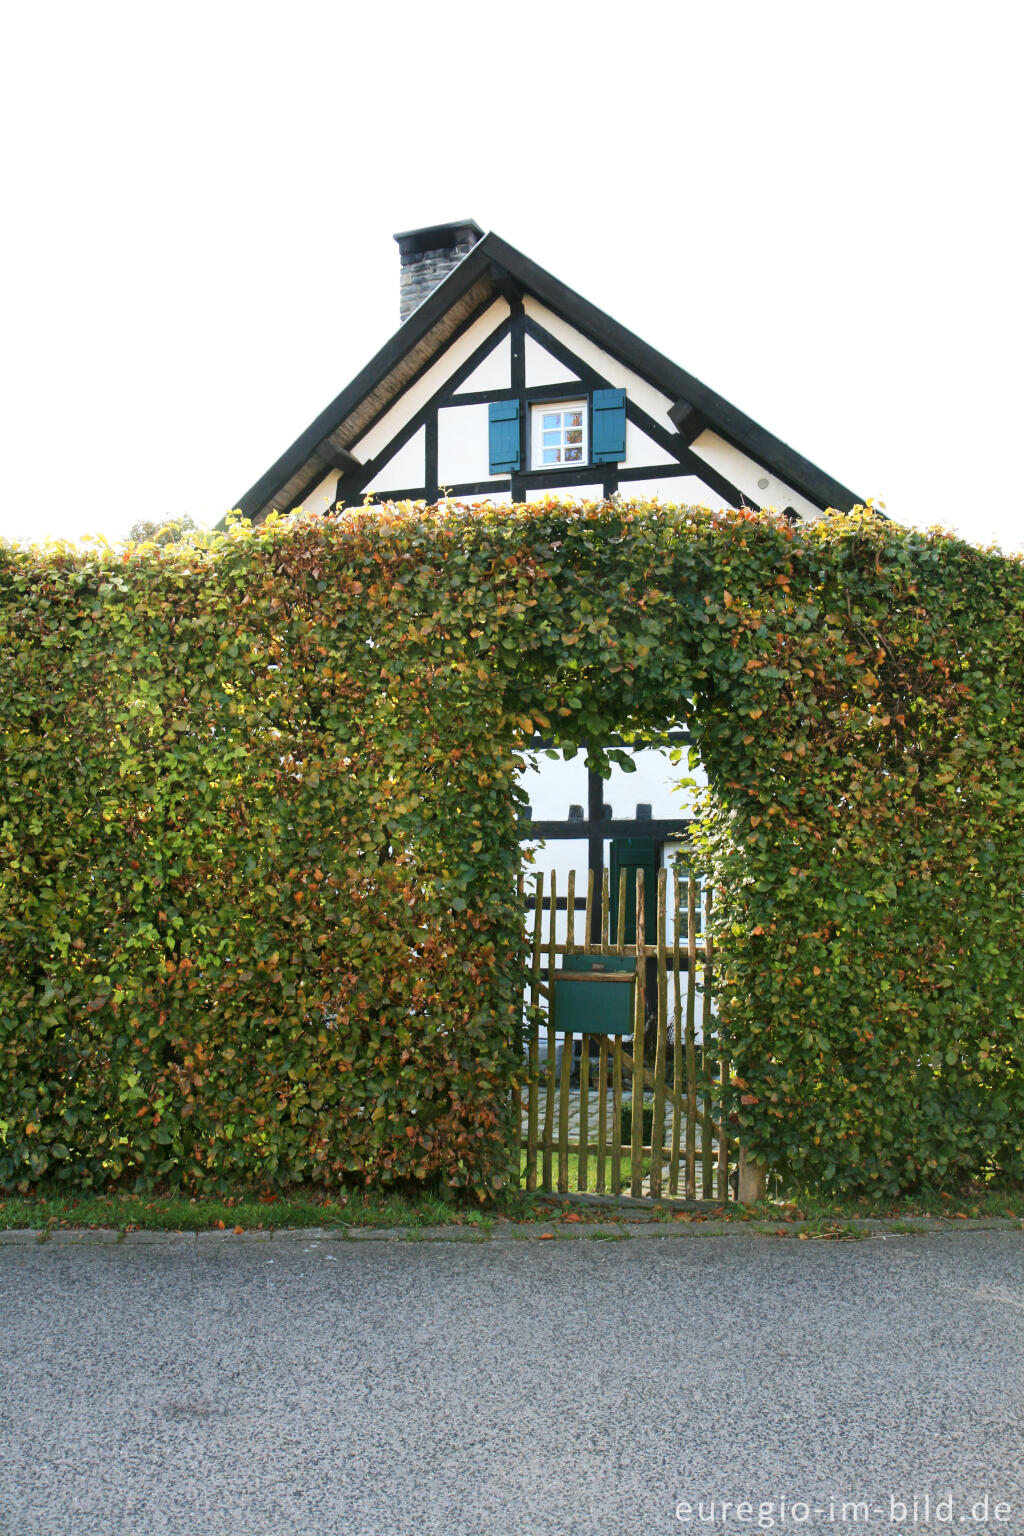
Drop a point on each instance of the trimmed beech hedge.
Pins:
(258, 914)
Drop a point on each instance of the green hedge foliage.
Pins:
(258, 911)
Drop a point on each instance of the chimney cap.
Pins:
(438, 237)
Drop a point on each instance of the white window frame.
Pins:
(538, 410)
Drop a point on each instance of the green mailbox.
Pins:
(596, 995)
(631, 854)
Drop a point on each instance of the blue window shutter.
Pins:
(503, 426)
(608, 435)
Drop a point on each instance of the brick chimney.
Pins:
(428, 255)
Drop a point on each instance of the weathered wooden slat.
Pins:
(549, 1096)
(617, 1115)
(583, 1162)
(602, 1119)
(723, 1067)
(691, 1038)
(617, 1051)
(534, 1058)
(520, 956)
(551, 1099)
(660, 1041)
(677, 1041)
(563, 1115)
(636, 1161)
(565, 1081)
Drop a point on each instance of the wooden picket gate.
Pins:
(687, 1152)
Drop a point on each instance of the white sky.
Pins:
(815, 208)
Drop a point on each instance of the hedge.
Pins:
(258, 804)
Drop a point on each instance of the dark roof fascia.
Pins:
(422, 319)
(730, 423)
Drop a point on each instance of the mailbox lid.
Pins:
(595, 995)
(625, 964)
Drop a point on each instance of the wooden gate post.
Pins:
(753, 1180)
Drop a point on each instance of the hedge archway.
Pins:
(259, 834)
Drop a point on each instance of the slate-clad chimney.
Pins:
(428, 255)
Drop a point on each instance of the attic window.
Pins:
(559, 434)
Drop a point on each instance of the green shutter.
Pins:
(503, 427)
(608, 431)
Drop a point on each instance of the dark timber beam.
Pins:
(505, 283)
(337, 458)
(596, 831)
(687, 420)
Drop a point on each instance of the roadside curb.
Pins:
(505, 1233)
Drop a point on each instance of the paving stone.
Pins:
(990, 1223)
(159, 1239)
(310, 1237)
(376, 1234)
(216, 1237)
(517, 1231)
(79, 1235)
(448, 1234)
(13, 1235)
(591, 1229)
(692, 1229)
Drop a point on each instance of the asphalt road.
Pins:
(548, 1389)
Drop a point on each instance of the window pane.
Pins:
(573, 455)
(552, 439)
(552, 419)
(551, 455)
(575, 436)
(574, 418)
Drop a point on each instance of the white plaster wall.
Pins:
(543, 368)
(405, 408)
(322, 496)
(405, 469)
(570, 493)
(463, 445)
(746, 475)
(495, 498)
(642, 450)
(552, 784)
(495, 372)
(678, 490)
(618, 375)
(653, 783)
